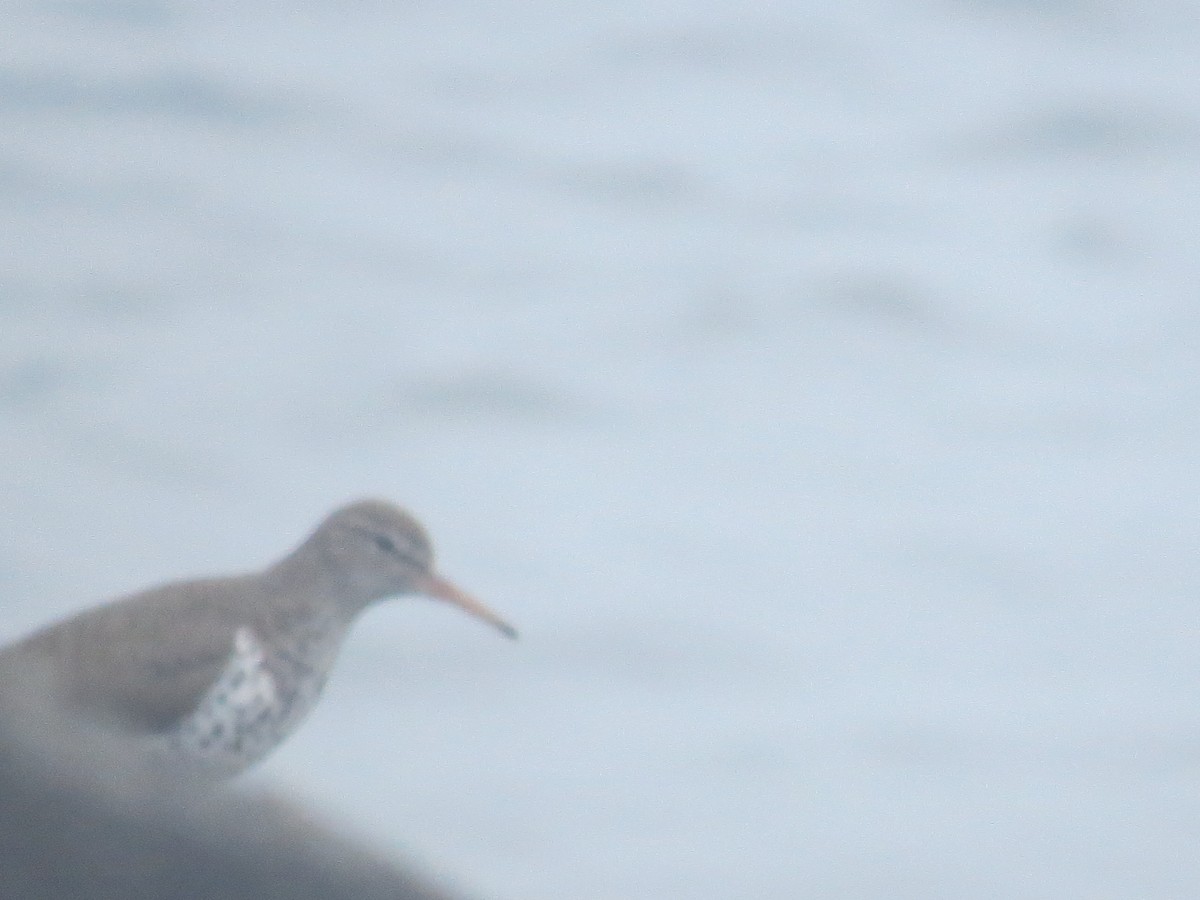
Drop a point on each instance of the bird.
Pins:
(212, 674)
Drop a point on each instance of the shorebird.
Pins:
(214, 673)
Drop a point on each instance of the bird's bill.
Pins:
(441, 589)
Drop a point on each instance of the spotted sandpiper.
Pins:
(217, 672)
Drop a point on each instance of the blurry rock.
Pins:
(83, 819)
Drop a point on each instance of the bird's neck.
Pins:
(304, 620)
(300, 591)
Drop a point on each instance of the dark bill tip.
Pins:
(436, 586)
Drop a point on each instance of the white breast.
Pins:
(260, 697)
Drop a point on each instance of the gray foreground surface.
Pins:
(78, 821)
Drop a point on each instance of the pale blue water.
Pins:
(815, 386)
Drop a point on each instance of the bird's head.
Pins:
(376, 550)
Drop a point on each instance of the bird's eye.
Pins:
(385, 543)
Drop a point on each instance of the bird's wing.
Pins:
(145, 661)
(157, 686)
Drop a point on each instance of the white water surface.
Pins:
(817, 387)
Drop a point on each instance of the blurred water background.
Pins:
(815, 385)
